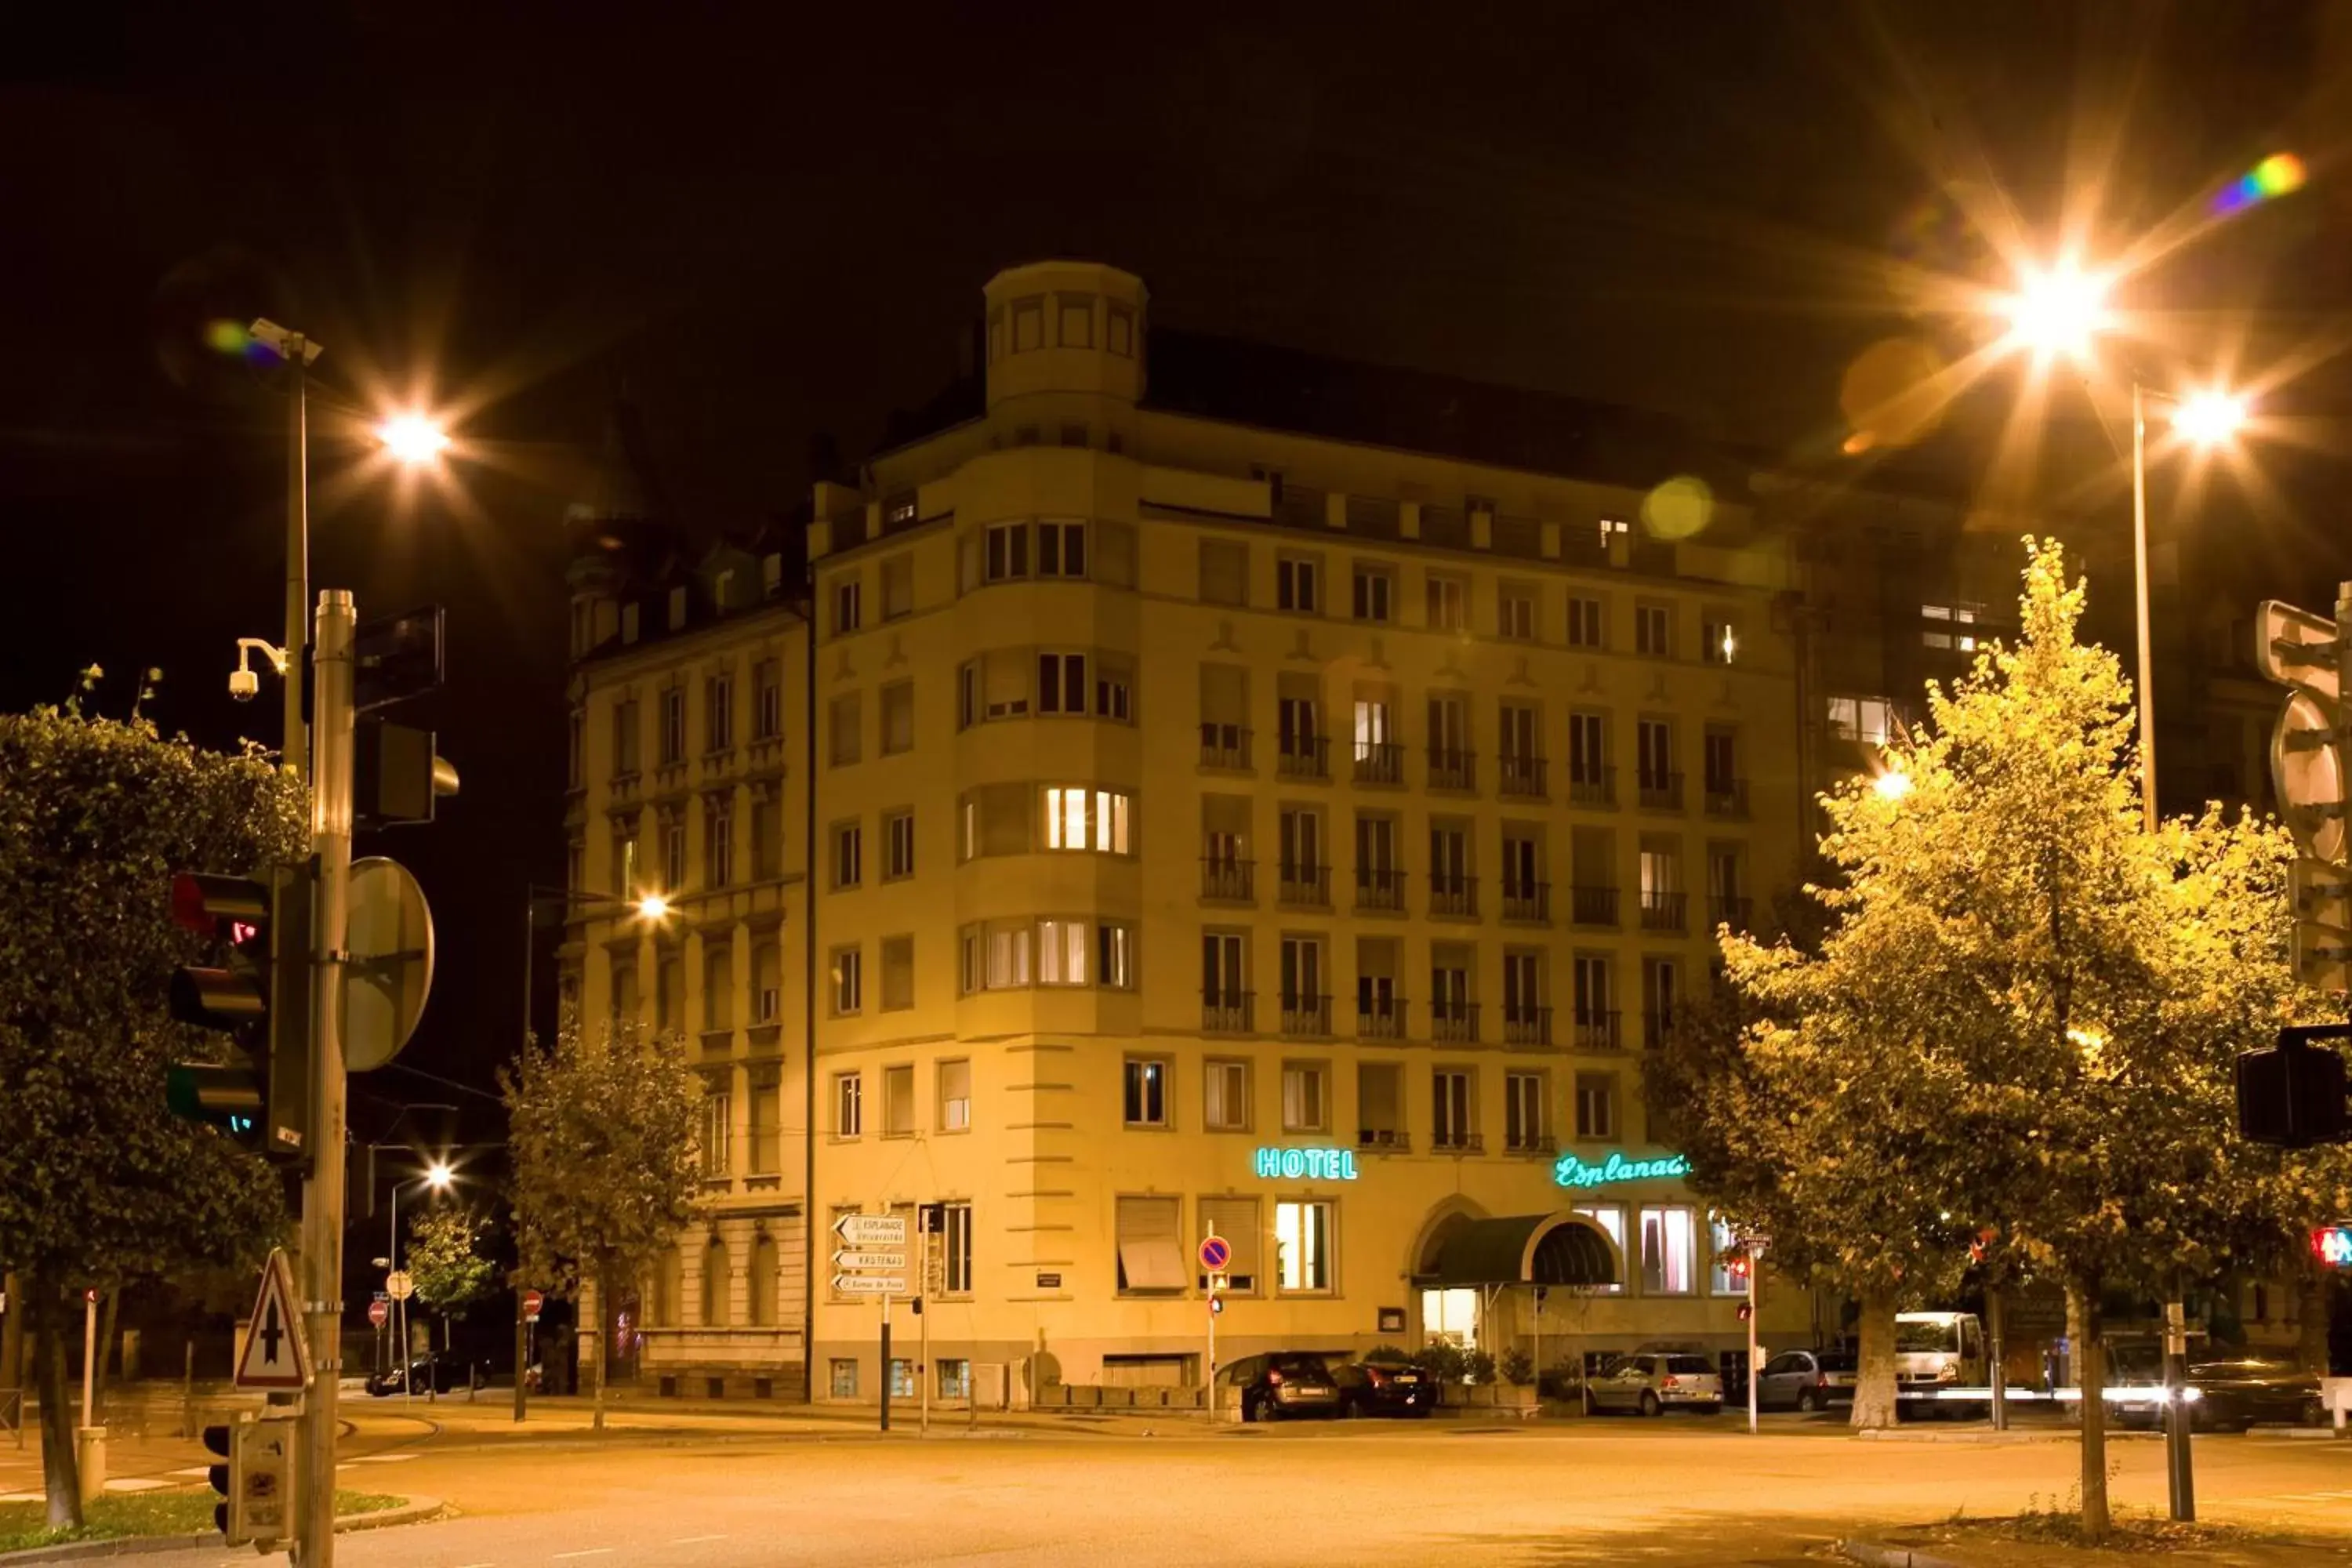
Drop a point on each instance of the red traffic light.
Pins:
(231, 907)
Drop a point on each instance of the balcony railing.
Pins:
(1384, 1140)
(1226, 746)
(1734, 912)
(1657, 1027)
(1453, 894)
(1452, 769)
(1592, 906)
(1662, 792)
(1526, 1026)
(1309, 885)
(1379, 888)
(1663, 911)
(1596, 1030)
(1453, 1023)
(1530, 1143)
(1591, 785)
(1456, 1141)
(1228, 1012)
(1727, 797)
(1522, 776)
(1379, 762)
(1304, 757)
(1380, 1018)
(1526, 902)
(1306, 1015)
(1229, 881)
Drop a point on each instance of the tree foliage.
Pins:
(442, 1260)
(100, 1185)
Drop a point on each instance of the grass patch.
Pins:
(114, 1514)
(2059, 1522)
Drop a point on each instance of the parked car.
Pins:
(1806, 1380)
(1384, 1388)
(1652, 1383)
(2228, 1394)
(439, 1373)
(1278, 1383)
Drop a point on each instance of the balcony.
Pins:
(1225, 747)
(1456, 1141)
(1656, 1029)
(1304, 757)
(1454, 895)
(1663, 911)
(1453, 1023)
(1228, 881)
(1522, 776)
(1384, 1140)
(1662, 792)
(1727, 797)
(1591, 785)
(1306, 1015)
(1452, 769)
(1722, 911)
(1596, 1030)
(1228, 1012)
(1380, 1018)
(1526, 1026)
(1528, 901)
(1593, 906)
(1307, 885)
(1379, 762)
(1532, 1143)
(1379, 889)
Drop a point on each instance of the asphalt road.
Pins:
(1681, 1491)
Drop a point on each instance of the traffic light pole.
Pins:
(298, 552)
(322, 1192)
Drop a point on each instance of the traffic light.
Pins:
(2332, 1245)
(254, 1479)
(1737, 1266)
(260, 998)
(2290, 1094)
(220, 1442)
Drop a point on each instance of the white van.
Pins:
(1935, 1350)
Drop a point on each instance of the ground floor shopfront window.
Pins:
(1450, 1316)
(1302, 1241)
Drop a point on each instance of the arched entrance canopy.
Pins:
(1523, 1250)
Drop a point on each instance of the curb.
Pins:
(415, 1511)
(1878, 1556)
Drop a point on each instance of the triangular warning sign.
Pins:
(275, 1355)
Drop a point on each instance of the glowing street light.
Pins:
(2056, 313)
(413, 438)
(438, 1176)
(654, 906)
(2208, 418)
(1892, 785)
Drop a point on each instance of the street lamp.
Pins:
(438, 1178)
(412, 440)
(2058, 311)
(1892, 785)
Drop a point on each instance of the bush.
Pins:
(1564, 1380)
(1441, 1361)
(1478, 1367)
(1518, 1367)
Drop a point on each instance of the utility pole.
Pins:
(299, 352)
(322, 1193)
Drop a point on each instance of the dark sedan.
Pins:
(440, 1373)
(1282, 1384)
(1383, 1388)
(2231, 1394)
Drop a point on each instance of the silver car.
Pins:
(1651, 1383)
(1806, 1380)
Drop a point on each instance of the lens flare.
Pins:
(224, 336)
(2276, 175)
(413, 437)
(1681, 508)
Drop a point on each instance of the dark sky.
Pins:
(758, 223)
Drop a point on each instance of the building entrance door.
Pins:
(1450, 1316)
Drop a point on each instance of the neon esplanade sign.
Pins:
(1572, 1172)
(1310, 1164)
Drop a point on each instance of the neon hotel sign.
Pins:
(1571, 1172)
(1312, 1164)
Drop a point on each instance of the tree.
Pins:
(603, 1135)
(441, 1259)
(99, 1183)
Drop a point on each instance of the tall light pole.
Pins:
(437, 1178)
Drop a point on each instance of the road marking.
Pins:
(383, 1459)
(194, 1472)
(590, 1552)
(136, 1484)
(690, 1540)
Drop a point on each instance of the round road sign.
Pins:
(531, 1302)
(377, 1312)
(1215, 1253)
(398, 1285)
(390, 971)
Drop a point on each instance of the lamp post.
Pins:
(437, 1178)
(651, 907)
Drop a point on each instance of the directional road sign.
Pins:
(894, 1262)
(872, 1229)
(276, 1356)
(870, 1284)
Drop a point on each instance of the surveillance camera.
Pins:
(280, 342)
(244, 685)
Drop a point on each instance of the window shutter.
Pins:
(1148, 1251)
(1235, 1219)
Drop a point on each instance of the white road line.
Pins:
(383, 1459)
(136, 1484)
(690, 1540)
(194, 1472)
(590, 1552)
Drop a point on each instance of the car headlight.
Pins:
(1948, 1373)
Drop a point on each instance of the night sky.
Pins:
(761, 226)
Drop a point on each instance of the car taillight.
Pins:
(1375, 1376)
(1275, 1378)
(1820, 1380)
(1671, 1383)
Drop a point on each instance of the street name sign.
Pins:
(871, 1229)
(896, 1262)
(276, 1356)
(870, 1284)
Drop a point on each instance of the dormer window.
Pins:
(677, 608)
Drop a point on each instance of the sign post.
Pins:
(872, 1261)
(1216, 1252)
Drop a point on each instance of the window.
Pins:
(955, 1244)
(1720, 643)
(1596, 1105)
(1061, 952)
(1375, 592)
(625, 985)
(1115, 955)
(1653, 752)
(1113, 692)
(1661, 997)
(897, 845)
(1222, 986)
(843, 1377)
(1585, 628)
(719, 712)
(768, 690)
(1077, 322)
(1723, 1245)
(898, 974)
(673, 834)
(844, 731)
(767, 982)
(1147, 1093)
(1449, 603)
(1653, 630)
(1298, 584)
(1302, 1243)
(1380, 1105)
(1586, 732)
(1302, 975)
(1224, 572)
(628, 873)
(1514, 612)
(1610, 1219)
(1061, 550)
(767, 836)
(897, 587)
(1523, 1112)
(1225, 1097)
(1451, 1105)
(1086, 819)
(1007, 552)
(1237, 1220)
(575, 746)
(1028, 325)
(898, 1103)
(848, 1104)
(717, 1124)
(1946, 615)
(1060, 683)
(1593, 1003)
(1305, 1104)
(848, 854)
(996, 956)
(1150, 1254)
(898, 717)
(848, 981)
(1119, 334)
(955, 1099)
(1669, 1251)
(902, 1378)
(718, 825)
(717, 986)
(1720, 757)
(1870, 720)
